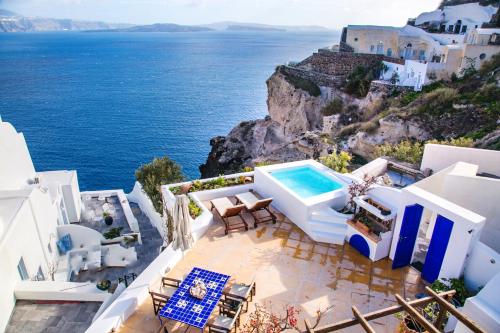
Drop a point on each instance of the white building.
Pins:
(36, 211)
(411, 74)
(459, 19)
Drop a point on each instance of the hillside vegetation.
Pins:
(464, 110)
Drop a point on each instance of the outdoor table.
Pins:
(184, 308)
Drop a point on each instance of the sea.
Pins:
(106, 103)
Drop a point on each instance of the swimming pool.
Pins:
(306, 181)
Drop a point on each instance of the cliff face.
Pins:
(295, 110)
(303, 124)
(292, 131)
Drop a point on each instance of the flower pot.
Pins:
(385, 212)
(103, 285)
(363, 227)
(108, 220)
(409, 325)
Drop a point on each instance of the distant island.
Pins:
(13, 22)
(158, 27)
(249, 28)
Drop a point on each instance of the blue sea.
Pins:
(105, 103)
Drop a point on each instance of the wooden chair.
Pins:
(240, 292)
(227, 320)
(226, 210)
(254, 205)
(169, 286)
(159, 301)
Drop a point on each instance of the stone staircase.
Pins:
(328, 226)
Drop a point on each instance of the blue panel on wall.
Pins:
(360, 244)
(437, 249)
(407, 235)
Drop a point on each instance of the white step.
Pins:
(327, 237)
(328, 214)
(339, 227)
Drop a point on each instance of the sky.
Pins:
(328, 13)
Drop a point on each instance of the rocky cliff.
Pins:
(311, 114)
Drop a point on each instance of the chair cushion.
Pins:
(241, 290)
(64, 244)
(248, 199)
(222, 204)
(223, 321)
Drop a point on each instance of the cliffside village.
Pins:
(435, 45)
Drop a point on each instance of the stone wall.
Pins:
(321, 79)
(341, 64)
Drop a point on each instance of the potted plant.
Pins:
(407, 324)
(385, 212)
(103, 285)
(362, 224)
(108, 219)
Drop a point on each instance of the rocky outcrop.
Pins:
(391, 129)
(295, 110)
(295, 128)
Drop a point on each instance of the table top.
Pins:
(189, 310)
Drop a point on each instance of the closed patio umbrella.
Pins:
(182, 237)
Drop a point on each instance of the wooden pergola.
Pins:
(443, 299)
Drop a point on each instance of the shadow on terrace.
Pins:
(289, 269)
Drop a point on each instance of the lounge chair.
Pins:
(254, 205)
(229, 213)
(227, 320)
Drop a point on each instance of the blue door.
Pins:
(407, 235)
(437, 249)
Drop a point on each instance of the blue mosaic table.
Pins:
(189, 310)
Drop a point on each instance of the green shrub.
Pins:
(408, 97)
(336, 106)
(458, 285)
(152, 176)
(490, 65)
(301, 83)
(433, 86)
(412, 152)
(458, 142)
(337, 161)
(438, 101)
(406, 151)
(113, 233)
(194, 209)
(359, 80)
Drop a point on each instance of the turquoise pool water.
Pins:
(306, 181)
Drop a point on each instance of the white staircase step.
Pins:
(332, 227)
(327, 237)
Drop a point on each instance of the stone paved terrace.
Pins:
(146, 253)
(36, 317)
(92, 217)
(290, 268)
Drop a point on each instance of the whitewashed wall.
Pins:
(28, 237)
(482, 265)
(437, 157)
(16, 166)
(139, 197)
